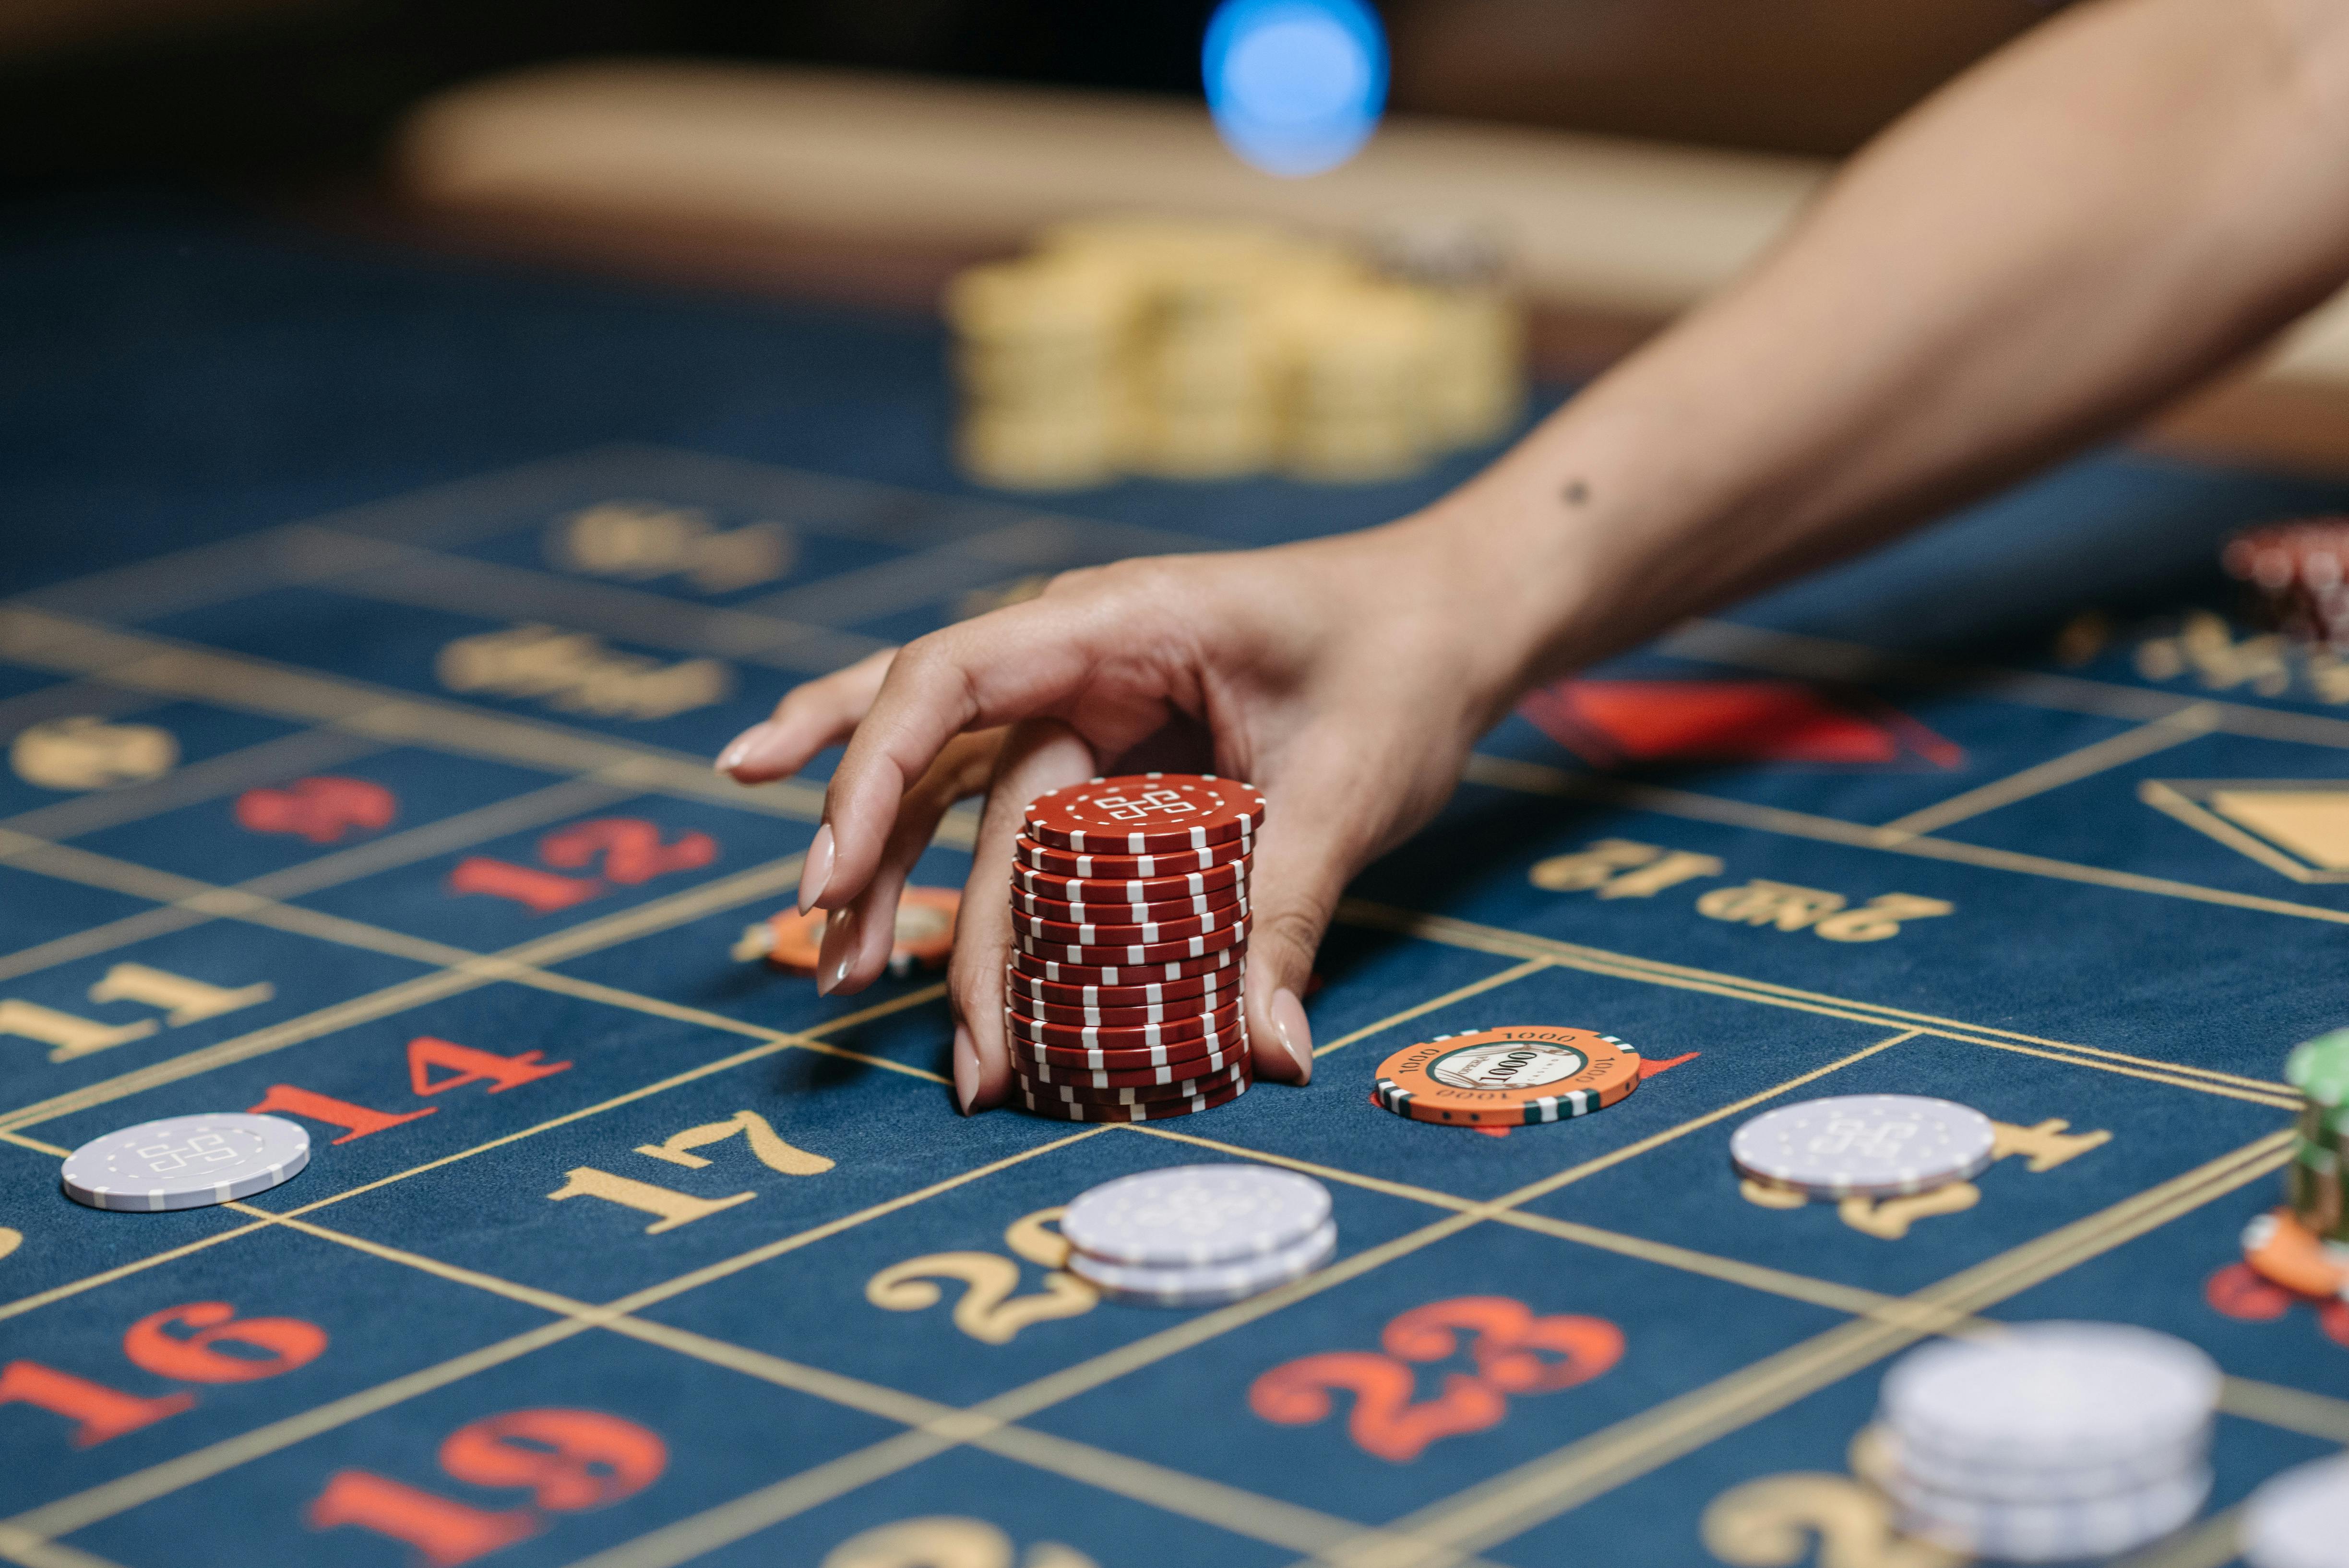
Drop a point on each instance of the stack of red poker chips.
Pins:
(2300, 572)
(1128, 944)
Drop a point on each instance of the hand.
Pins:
(1339, 676)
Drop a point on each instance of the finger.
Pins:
(858, 939)
(1040, 755)
(1010, 664)
(813, 715)
(1317, 832)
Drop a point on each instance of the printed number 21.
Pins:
(630, 848)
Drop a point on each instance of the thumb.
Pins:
(1305, 859)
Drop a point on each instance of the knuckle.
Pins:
(1076, 579)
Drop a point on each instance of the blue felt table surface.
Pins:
(496, 955)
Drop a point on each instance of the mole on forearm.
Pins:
(1576, 492)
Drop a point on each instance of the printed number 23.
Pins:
(1505, 1341)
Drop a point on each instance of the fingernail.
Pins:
(839, 937)
(1296, 1036)
(966, 1068)
(817, 870)
(741, 746)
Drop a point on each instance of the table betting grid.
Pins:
(615, 1251)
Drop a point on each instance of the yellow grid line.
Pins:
(46, 1519)
(82, 1509)
(1876, 1015)
(520, 963)
(1522, 1498)
(1234, 1508)
(1455, 932)
(2188, 723)
(705, 1069)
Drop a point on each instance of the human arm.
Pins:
(2123, 201)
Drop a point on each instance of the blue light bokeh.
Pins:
(1296, 85)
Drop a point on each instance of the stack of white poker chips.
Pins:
(2050, 1442)
(1199, 1235)
(2301, 1518)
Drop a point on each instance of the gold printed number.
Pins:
(1889, 1218)
(945, 1540)
(2042, 1146)
(768, 1145)
(1776, 1522)
(990, 1310)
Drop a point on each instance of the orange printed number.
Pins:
(1505, 1336)
(223, 1347)
(631, 847)
(465, 1065)
(321, 809)
(200, 1342)
(96, 1411)
(443, 1531)
(541, 893)
(1514, 1352)
(570, 1459)
(1385, 1420)
(567, 1460)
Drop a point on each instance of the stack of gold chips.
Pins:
(1197, 349)
(1040, 353)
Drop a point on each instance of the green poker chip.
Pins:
(2319, 1069)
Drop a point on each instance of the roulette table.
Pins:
(370, 619)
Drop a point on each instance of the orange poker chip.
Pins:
(1508, 1077)
(925, 937)
(2282, 1251)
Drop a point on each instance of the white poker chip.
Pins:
(1211, 1284)
(1192, 1214)
(186, 1161)
(2049, 1397)
(1876, 1145)
(2299, 1519)
(1992, 1482)
(2056, 1530)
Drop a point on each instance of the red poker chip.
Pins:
(1145, 813)
(1121, 975)
(1080, 1087)
(1149, 1111)
(1060, 1063)
(1101, 935)
(1221, 1024)
(1090, 890)
(1198, 989)
(1090, 867)
(1185, 1008)
(1103, 956)
(1225, 902)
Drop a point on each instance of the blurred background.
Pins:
(1623, 158)
(255, 91)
